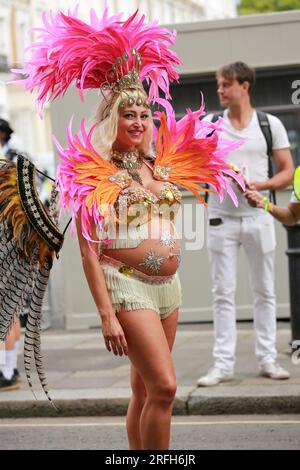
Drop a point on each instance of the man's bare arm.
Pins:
(284, 176)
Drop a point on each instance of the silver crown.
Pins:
(120, 79)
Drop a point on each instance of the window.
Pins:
(272, 93)
(22, 33)
(23, 130)
(291, 121)
(4, 35)
(22, 39)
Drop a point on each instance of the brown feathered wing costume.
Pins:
(29, 241)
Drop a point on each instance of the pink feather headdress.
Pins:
(97, 55)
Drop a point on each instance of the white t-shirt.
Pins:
(294, 199)
(251, 158)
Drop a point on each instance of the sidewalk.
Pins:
(84, 379)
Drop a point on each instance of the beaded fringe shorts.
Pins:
(134, 290)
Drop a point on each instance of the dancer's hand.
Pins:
(254, 198)
(114, 336)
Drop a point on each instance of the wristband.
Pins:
(266, 204)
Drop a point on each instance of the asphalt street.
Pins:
(263, 432)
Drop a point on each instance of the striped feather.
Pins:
(25, 262)
(36, 306)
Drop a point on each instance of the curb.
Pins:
(232, 405)
(229, 405)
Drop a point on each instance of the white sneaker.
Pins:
(274, 371)
(213, 377)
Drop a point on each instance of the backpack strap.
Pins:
(265, 127)
(213, 119)
(216, 116)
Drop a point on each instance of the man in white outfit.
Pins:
(231, 227)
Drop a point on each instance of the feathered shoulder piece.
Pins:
(190, 153)
(22, 212)
(97, 55)
(88, 182)
(29, 241)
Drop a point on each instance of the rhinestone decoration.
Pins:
(138, 195)
(162, 172)
(130, 161)
(153, 262)
(170, 194)
(33, 207)
(123, 180)
(166, 239)
(178, 256)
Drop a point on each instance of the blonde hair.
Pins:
(106, 123)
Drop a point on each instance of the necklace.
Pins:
(130, 161)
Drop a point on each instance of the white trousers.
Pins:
(257, 236)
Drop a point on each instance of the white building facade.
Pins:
(166, 11)
(32, 134)
(219, 9)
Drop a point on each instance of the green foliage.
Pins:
(248, 7)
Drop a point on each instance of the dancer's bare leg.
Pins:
(150, 406)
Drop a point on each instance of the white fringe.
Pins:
(134, 294)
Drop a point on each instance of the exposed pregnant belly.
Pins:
(158, 255)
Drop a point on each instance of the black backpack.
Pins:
(266, 130)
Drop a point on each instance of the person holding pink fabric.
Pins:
(124, 195)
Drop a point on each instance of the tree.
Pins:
(248, 7)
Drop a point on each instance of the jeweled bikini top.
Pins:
(140, 202)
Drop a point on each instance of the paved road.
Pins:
(188, 432)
